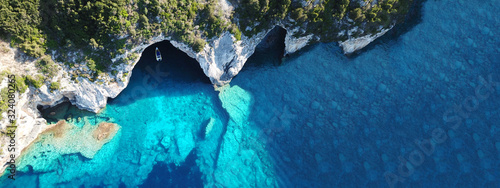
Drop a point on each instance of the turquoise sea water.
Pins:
(317, 119)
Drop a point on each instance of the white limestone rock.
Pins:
(353, 44)
(293, 44)
(222, 58)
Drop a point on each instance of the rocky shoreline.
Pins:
(221, 59)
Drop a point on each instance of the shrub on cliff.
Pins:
(20, 19)
(298, 15)
(91, 64)
(357, 15)
(257, 15)
(198, 44)
(102, 29)
(236, 32)
(211, 20)
(4, 100)
(4, 93)
(47, 66)
(20, 84)
(35, 82)
(54, 86)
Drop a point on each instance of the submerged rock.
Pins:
(209, 126)
(63, 138)
(105, 131)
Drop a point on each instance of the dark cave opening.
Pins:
(270, 50)
(177, 64)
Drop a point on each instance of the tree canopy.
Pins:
(102, 29)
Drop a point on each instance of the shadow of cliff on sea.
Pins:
(269, 52)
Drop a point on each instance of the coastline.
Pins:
(319, 116)
(220, 60)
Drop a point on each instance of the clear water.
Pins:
(318, 119)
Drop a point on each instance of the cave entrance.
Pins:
(269, 52)
(65, 111)
(177, 64)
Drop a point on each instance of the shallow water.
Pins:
(317, 119)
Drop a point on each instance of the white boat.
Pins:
(158, 54)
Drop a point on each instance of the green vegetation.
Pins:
(20, 84)
(92, 28)
(54, 86)
(97, 31)
(3, 74)
(21, 87)
(96, 28)
(386, 11)
(211, 20)
(236, 32)
(357, 15)
(4, 97)
(46, 66)
(325, 17)
(298, 15)
(256, 15)
(36, 82)
(21, 20)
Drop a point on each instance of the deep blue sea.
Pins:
(419, 107)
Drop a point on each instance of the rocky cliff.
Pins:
(221, 58)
